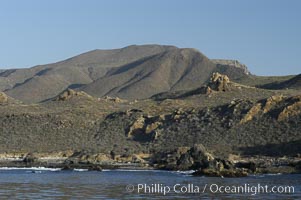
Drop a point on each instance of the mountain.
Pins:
(133, 72)
(46, 81)
(176, 69)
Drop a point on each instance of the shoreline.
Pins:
(127, 169)
(196, 158)
(49, 165)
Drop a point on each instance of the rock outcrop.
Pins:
(219, 82)
(278, 107)
(255, 110)
(144, 128)
(232, 63)
(30, 158)
(137, 127)
(197, 158)
(271, 102)
(114, 99)
(95, 161)
(291, 110)
(3, 98)
(69, 93)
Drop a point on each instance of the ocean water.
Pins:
(43, 183)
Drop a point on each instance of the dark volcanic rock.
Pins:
(251, 166)
(67, 167)
(221, 173)
(95, 168)
(30, 159)
(199, 159)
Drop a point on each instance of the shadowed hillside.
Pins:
(45, 81)
(133, 72)
(169, 71)
(292, 83)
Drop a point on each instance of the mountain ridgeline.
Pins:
(133, 72)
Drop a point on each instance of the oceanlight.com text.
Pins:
(209, 188)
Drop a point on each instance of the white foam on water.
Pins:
(31, 168)
(273, 174)
(133, 170)
(186, 172)
(80, 170)
(264, 175)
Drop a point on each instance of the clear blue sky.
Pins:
(263, 34)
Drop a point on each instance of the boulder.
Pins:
(185, 162)
(201, 156)
(30, 158)
(3, 98)
(69, 93)
(219, 82)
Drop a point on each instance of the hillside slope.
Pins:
(46, 81)
(237, 120)
(177, 69)
(292, 83)
(133, 72)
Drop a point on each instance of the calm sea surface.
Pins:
(117, 184)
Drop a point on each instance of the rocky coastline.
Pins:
(197, 159)
(221, 129)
